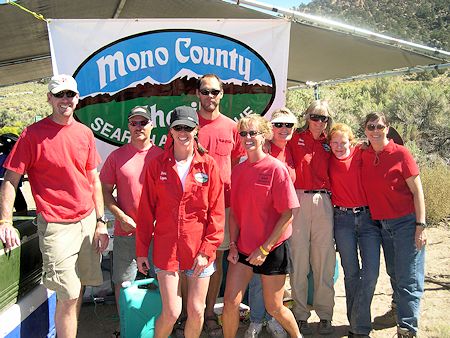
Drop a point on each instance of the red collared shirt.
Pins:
(181, 223)
(311, 161)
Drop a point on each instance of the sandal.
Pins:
(179, 327)
(212, 328)
(115, 334)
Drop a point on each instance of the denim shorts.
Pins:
(207, 272)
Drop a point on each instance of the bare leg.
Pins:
(66, 317)
(273, 290)
(197, 289)
(213, 293)
(170, 290)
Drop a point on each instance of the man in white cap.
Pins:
(60, 158)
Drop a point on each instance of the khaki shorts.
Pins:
(226, 232)
(69, 256)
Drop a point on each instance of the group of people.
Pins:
(279, 199)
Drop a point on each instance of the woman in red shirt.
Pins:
(182, 210)
(262, 199)
(394, 191)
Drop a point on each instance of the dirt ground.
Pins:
(99, 320)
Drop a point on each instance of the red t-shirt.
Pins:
(264, 191)
(222, 140)
(384, 181)
(285, 156)
(187, 222)
(345, 178)
(311, 160)
(57, 158)
(124, 168)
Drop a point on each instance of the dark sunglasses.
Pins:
(281, 124)
(252, 133)
(372, 127)
(68, 93)
(181, 127)
(138, 123)
(317, 118)
(206, 92)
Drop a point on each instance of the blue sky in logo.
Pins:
(162, 55)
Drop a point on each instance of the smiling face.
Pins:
(283, 134)
(254, 139)
(183, 135)
(63, 107)
(376, 132)
(340, 145)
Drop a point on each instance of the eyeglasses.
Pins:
(206, 92)
(181, 127)
(252, 133)
(68, 93)
(372, 127)
(281, 124)
(139, 123)
(317, 118)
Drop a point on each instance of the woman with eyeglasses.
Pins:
(312, 239)
(182, 211)
(283, 123)
(260, 224)
(354, 229)
(394, 191)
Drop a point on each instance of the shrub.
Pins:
(436, 185)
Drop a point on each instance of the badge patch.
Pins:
(201, 177)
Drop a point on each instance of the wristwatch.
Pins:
(102, 219)
(421, 224)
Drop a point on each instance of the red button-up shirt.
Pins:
(181, 223)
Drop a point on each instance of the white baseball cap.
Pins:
(59, 83)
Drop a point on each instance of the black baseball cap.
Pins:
(184, 115)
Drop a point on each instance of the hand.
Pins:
(101, 237)
(9, 236)
(256, 257)
(142, 264)
(127, 223)
(200, 263)
(420, 237)
(233, 255)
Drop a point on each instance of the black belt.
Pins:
(355, 210)
(322, 191)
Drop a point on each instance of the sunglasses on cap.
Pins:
(206, 92)
(68, 93)
(317, 118)
(181, 127)
(372, 127)
(281, 124)
(252, 133)
(138, 123)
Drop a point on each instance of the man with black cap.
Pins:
(60, 158)
(124, 170)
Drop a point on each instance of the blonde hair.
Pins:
(260, 123)
(320, 107)
(343, 129)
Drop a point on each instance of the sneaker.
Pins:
(254, 329)
(325, 327)
(275, 329)
(389, 319)
(304, 327)
(404, 333)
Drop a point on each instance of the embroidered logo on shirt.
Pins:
(201, 177)
(326, 147)
(301, 142)
(163, 176)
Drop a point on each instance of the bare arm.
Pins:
(415, 185)
(101, 237)
(126, 222)
(233, 254)
(8, 234)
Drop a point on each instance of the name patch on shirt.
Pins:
(163, 176)
(201, 177)
(301, 142)
(263, 179)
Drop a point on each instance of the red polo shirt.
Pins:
(181, 223)
(285, 156)
(384, 180)
(311, 160)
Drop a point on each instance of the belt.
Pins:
(355, 210)
(321, 191)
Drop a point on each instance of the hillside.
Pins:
(424, 21)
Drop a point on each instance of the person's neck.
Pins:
(142, 145)
(256, 155)
(209, 115)
(62, 120)
(280, 143)
(379, 146)
(316, 135)
(183, 153)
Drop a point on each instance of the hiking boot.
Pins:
(389, 319)
(304, 327)
(404, 333)
(325, 327)
(254, 329)
(275, 329)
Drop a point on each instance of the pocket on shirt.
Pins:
(224, 147)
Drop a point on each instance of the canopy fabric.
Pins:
(316, 52)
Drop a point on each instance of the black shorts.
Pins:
(278, 261)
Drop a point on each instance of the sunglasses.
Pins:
(68, 93)
(138, 123)
(206, 92)
(282, 124)
(317, 118)
(252, 133)
(181, 127)
(372, 127)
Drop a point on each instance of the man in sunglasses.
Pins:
(60, 158)
(124, 170)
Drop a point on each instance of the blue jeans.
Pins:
(353, 231)
(258, 311)
(405, 266)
